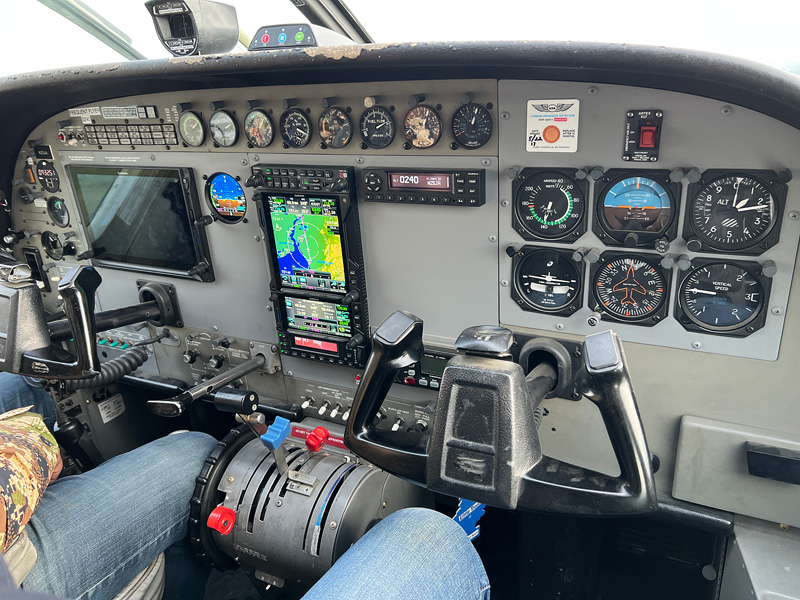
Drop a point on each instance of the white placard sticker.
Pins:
(552, 125)
(112, 408)
(85, 114)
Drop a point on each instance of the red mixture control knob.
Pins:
(317, 438)
(222, 519)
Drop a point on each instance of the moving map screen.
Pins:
(308, 242)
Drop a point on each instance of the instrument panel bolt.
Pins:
(559, 326)
(486, 162)
(252, 344)
(504, 203)
(360, 160)
(152, 157)
(504, 283)
(697, 345)
(784, 527)
(278, 502)
(289, 373)
(505, 115)
(776, 310)
(244, 162)
(384, 504)
(629, 114)
(256, 238)
(592, 91)
(231, 479)
(492, 238)
(794, 215)
(256, 157)
(726, 109)
(333, 525)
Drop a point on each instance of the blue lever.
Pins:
(276, 433)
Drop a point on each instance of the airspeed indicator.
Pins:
(548, 205)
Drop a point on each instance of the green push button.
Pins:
(102, 342)
(114, 344)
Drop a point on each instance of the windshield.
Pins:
(763, 32)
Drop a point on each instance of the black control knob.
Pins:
(511, 250)
(85, 255)
(215, 361)
(13, 237)
(632, 240)
(190, 356)
(350, 297)
(694, 245)
(662, 245)
(415, 99)
(70, 249)
(355, 341)
(204, 221)
(340, 185)
(255, 180)
(420, 427)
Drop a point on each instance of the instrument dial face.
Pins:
(472, 126)
(629, 288)
(226, 197)
(548, 280)
(636, 204)
(422, 126)
(192, 130)
(377, 127)
(58, 211)
(733, 212)
(48, 176)
(258, 129)
(295, 128)
(549, 205)
(335, 127)
(52, 245)
(223, 129)
(721, 296)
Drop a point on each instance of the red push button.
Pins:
(222, 519)
(317, 438)
(409, 380)
(647, 136)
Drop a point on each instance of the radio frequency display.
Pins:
(308, 242)
(318, 317)
(419, 181)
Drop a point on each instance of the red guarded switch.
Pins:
(647, 136)
(317, 438)
(222, 519)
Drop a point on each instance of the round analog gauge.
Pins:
(226, 197)
(295, 128)
(549, 205)
(58, 211)
(422, 126)
(377, 127)
(472, 125)
(335, 127)
(733, 212)
(629, 288)
(636, 204)
(223, 129)
(547, 280)
(192, 130)
(48, 176)
(258, 128)
(25, 195)
(52, 245)
(721, 296)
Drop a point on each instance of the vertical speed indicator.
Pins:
(631, 288)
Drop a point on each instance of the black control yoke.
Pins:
(484, 445)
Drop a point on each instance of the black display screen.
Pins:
(317, 317)
(136, 216)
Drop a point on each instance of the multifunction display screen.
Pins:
(420, 181)
(318, 317)
(308, 242)
(136, 216)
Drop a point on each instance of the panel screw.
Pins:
(360, 160)
(215, 328)
(776, 310)
(486, 162)
(559, 326)
(269, 309)
(273, 348)
(504, 203)
(256, 157)
(289, 373)
(697, 345)
(152, 157)
(231, 479)
(794, 215)
(252, 344)
(505, 115)
(333, 525)
(256, 238)
(244, 162)
(726, 109)
(784, 527)
(504, 283)
(278, 502)
(592, 91)
(384, 504)
(492, 238)
(659, 114)
(629, 114)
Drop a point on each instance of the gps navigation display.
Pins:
(308, 243)
(317, 317)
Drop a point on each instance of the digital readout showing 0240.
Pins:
(419, 181)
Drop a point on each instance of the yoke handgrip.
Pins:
(396, 344)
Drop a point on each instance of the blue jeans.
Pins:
(17, 391)
(413, 553)
(95, 531)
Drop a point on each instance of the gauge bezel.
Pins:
(215, 213)
(282, 128)
(55, 221)
(405, 126)
(347, 118)
(204, 128)
(760, 244)
(647, 239)
(691, 323)
(487, 112)
(571, 234)
(43, 181)
(232, 119)
(271, 126)
(56, 254)
(650, 320)
(387, 113)
(519, 296)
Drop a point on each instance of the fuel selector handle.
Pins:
(396, 344)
